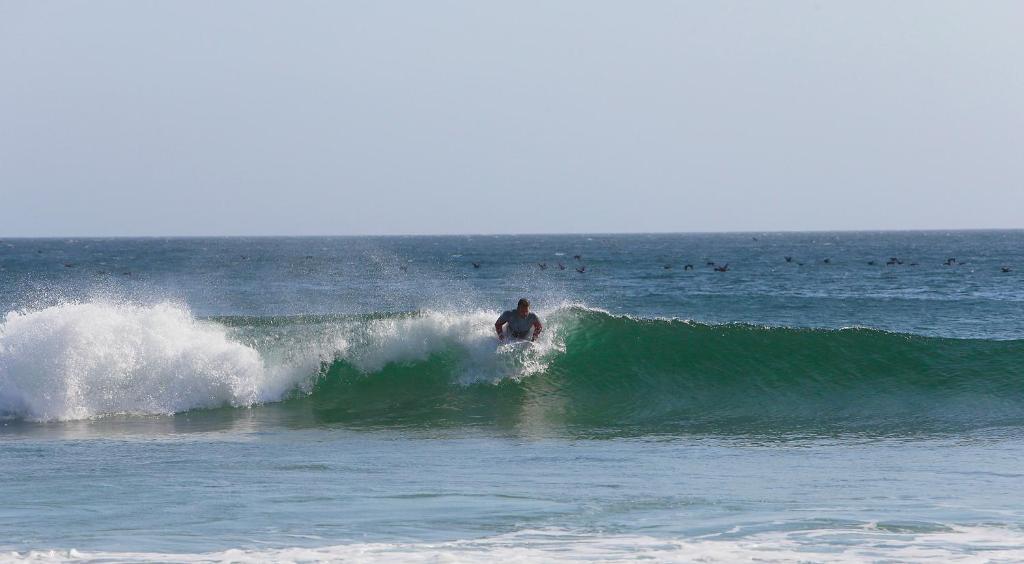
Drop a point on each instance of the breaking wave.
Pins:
(590, 369)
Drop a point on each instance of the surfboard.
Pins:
(511, 344)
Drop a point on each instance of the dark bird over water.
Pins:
(688, 267)
(577, 257)
(1005, 268)
(543, 265)
(723, 268)
(951, 261)
(561, 266)
(827, 261)
(710, 263)
(788, 259)
(581, 269)
(667, 267)
(872, 263)
(476, 265)
(403, 268)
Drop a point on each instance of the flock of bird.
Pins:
(582, 268)
(893, 261)
(544, 266)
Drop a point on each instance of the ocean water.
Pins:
(308, 399)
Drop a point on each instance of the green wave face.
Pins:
(603, 373)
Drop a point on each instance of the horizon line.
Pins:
(534, 234)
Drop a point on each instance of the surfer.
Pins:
(519, 320)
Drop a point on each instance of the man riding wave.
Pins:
(520, 321)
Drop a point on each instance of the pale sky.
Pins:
(132, 117)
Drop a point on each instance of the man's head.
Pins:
(523, 307)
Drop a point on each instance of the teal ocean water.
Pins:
(719, 397)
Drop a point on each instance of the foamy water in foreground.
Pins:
(861, 544)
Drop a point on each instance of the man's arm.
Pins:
(497, 327)
(537, 328)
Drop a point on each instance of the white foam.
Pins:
(959, 544)
(378, 343)
(81, 360)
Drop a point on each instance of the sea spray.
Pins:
(82, 360)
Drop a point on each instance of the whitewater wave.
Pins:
(83, 360)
